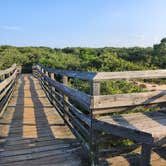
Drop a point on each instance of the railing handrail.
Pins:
(71, 73)
(75, 95)
(99, 101)
(7, 71)
(84, 125)
(8, 79)
(103, 76)
(142, 74)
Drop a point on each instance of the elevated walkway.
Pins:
(32, 133)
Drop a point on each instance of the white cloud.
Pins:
(10, 28)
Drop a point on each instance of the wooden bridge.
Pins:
(44, 121)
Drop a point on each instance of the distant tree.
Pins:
(159, 54)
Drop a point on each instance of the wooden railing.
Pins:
(7, 82)
(79, 110)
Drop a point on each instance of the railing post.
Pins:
(42, 70)
(52, 76)
(65, 98)
(47, 73)
(51, 89)
(3, 77)
(94, 91)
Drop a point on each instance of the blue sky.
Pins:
(85, 23)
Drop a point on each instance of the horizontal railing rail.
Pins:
(128, 75)
(66, 99)
(8, 71)
(7, 81)
(75, 74)
(79, 110)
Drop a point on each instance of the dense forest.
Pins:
(87, 59)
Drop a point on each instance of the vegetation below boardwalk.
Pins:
(92, 59)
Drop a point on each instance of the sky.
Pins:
(82, 23)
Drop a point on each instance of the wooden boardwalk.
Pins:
(32, 132)
(35, 132)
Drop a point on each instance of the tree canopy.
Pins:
(87, 59)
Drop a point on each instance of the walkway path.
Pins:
(32, 133)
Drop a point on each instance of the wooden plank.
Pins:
(153, 123)
(103, 76)
(69, 73)
(144, 74)
(145, 155)
(120, 131)
(95, 89)
(56, 143)
(131, 99)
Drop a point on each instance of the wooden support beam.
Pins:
(145, 154)
(94, 91)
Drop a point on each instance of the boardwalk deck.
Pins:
(33, 133)
(150, 122)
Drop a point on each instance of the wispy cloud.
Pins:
(10, 28)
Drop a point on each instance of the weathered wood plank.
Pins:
(153, 123)
(122, 131)
(102, 76)
(130, 99)
(69, 73)
(144, 74)
(54, 139)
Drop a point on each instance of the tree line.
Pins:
(87, 59)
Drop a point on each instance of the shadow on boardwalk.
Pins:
(33, 131)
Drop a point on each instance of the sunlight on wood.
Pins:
(4, 130)
(52, 117)
(28, 102)
(117, 160)
(5, 122)
(61, 132)
(29, 116)
(149, 126)
(29, 122)
(29, 131)
(27, 93)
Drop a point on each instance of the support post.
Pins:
(52, 76)
(65, 98)
(52, 89)
(94, 91)
(145, 154)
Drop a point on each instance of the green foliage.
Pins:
(61, 60)
(115, 87)
(87, 59)
(10, 55)
(159, 54)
